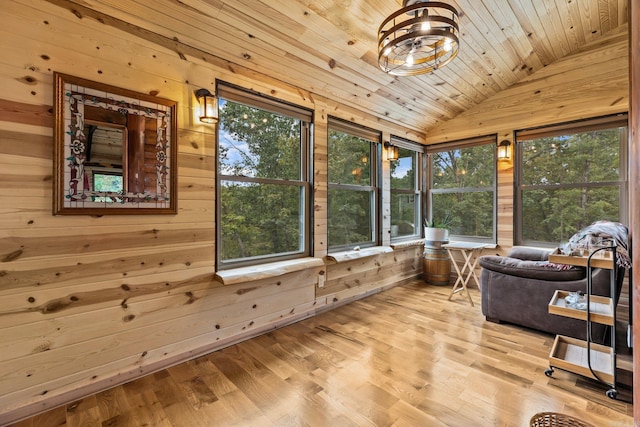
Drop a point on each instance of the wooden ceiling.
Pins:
(328, 47)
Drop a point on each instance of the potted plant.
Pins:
(437, 230)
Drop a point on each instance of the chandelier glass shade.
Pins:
(419, 38)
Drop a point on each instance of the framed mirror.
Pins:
(115, 150)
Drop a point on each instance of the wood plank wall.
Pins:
(88, 302)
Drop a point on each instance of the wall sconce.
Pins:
(392, 151)
(504, 150)
(208, 106)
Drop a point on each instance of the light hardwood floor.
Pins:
(404, 357)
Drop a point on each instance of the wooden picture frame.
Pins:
(115, 150)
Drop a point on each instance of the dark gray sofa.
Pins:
(517, 289)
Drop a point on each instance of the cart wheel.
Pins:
(612, 393)
(549, 372)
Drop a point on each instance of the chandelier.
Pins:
(419, 38)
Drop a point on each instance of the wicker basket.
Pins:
(554, 419)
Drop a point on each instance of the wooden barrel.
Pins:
(436, 266)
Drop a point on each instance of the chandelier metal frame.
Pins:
(421, 37)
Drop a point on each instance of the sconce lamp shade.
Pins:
(392, 152)
(208, 106)
(504, 150)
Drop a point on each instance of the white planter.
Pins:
(433, 234)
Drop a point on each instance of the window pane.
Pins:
(349, 159)
(403, 170)
(405, 203)
(463, 190)
(471, 212)
(403, 215)
(464, 168)
(263, 203)
(260, 219)
(577, 158)
(350, 217)
(554, 215)
(108, 183)
(570, 178)
(258, 143)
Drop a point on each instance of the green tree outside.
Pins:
(262, 193)
(463, 183)
(569, 182)
(351, 197)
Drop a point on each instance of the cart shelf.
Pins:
(600, 308)
(570, 354)
(558, 257)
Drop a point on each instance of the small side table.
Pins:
(470, 254)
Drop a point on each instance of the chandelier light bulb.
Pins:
(447, 45)
(410, 59)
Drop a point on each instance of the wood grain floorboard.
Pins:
(404, 357)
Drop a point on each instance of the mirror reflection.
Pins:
(115, 150)
(105, 160)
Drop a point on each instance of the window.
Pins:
(570, 175)
(406, 191)
(263, 179)
(462, 187)
(353, 189)
(108, 182)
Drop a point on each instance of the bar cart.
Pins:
(584, 357)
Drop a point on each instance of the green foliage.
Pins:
(445, 222)
(403, 170)
(463, 190)
(404, 201)
(568, 183)
(349, 159)
(259, 144)
(107, 182)
(261, 204)
(350, 196)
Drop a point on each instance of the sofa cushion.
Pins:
(541, 270)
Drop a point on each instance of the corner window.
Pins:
(405, 191)
(569, 176)
(462, 188)
(353, 185)
(263, 179)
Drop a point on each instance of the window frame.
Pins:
(417, 192)
(375, 138)
(236, 94)
(459, 145)
(560, 129)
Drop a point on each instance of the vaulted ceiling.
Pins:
(329, 47)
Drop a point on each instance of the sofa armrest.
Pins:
(541, 270)
(529, 253)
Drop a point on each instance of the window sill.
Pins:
(360, 253)
(407, 244)
(265, 271)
